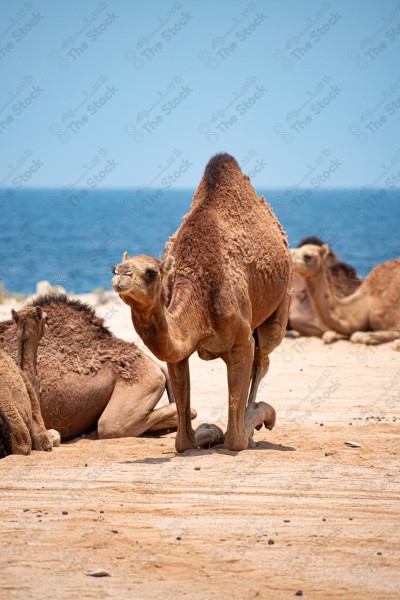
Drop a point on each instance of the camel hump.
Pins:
(217, 167)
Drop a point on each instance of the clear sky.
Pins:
(128, 93)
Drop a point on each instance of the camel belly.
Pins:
(74, 403)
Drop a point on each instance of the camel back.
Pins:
(232, 239)
(76, 340)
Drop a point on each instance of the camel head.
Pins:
(140, 278)
(31, 322)
(309, 259)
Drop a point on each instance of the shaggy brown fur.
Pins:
(371, 315)
(79, 364)
(302, 316)
(227, 272)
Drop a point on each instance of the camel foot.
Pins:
(332, 336)
(208, 435)
(258, 414)
(185, 442)
(236, 443)
(42, 442)
(54, 436)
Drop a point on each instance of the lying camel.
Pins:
(227, 273)
(371, 315)
(302, 316)
(87, 378)
(21, 424)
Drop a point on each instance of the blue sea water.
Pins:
(73, 237)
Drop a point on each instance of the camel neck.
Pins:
(166, 331)
(27, 358)
(335, 312)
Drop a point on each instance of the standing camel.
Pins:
(371, 315)
(227, 273)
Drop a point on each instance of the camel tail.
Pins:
(5, 436)
(168, 387)
(216, 168)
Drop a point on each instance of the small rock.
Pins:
(286, 520)
(178, 538)
(353, 444)
(330, 452)
(379, 553)
(26, 510)
(321, 424)
(102, 511)
(271, 542)
(299, 593)
(324, 519)
(98, 573)
(114, 530)
(64, 512)
(197, 468)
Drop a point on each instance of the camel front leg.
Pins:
(180, 382)
(239, 364)
(41, 439)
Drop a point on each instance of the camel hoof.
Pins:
(207, 435)
(329, 337)
(236, 445)
(359, 337)
(43, 442)
(187, 443)
(55, 437)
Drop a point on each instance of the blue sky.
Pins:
(126, 94)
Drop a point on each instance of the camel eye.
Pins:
(151, 274)
(307, 257)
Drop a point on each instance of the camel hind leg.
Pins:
(130, 411)
(371, 338)
(268, 336)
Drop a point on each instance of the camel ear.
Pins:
(324, 250)
(14, 315)
(38, 312)
(168, 265)
(125, 256)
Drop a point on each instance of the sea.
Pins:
(73, 237)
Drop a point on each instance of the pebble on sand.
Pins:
(98, 573)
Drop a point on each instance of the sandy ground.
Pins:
(301, 514)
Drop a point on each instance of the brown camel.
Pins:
(371, 315)
(87, 378)
(226, 274)
(302, 316)
(22, 427)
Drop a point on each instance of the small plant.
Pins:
(3, 293)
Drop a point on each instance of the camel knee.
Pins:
(106, 429)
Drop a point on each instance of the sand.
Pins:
(302, 513)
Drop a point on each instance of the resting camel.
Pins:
(371, 315)
(302, 316)
(227, 272)
(87, 378)
(21, 424)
